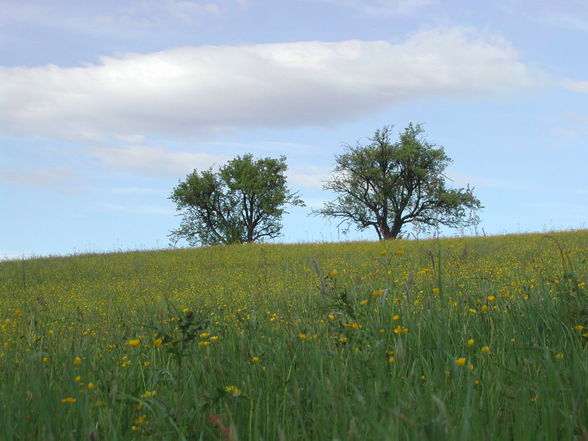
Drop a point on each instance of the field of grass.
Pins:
(454, 339)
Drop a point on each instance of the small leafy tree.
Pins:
(243, 202)
(386, 185)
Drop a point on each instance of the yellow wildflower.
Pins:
(133, 343)
(141, 419)
(461, 361)
(148, 394)
(233, 390)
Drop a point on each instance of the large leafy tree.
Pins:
(386, 185)
(243, 202)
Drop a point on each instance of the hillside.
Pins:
(470, 338)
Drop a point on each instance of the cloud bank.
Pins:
(576, 86)
(155, 161)
(194, 90)
(62, 179)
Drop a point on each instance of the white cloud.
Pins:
(155, 161)
(315, 203)
(310, 177)
(161, 162)
(572, 125)
(576, 86)
(463, 179)
(133, 190)
(141, 209)
(195, 90)
(62, 179)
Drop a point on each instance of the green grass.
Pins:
(245, 342)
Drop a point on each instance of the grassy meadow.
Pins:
(451, 339)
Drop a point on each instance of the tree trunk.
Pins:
(384, 231)
(391, 233)
(250, 232)
(396, 228)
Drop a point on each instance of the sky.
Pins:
(106, 105)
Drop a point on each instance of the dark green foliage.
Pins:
(243, 202)
(386, 185)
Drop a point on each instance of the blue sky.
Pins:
(105, 105)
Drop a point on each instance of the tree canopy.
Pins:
(386, 185)
(243, 202)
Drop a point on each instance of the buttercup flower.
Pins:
(133, 343)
